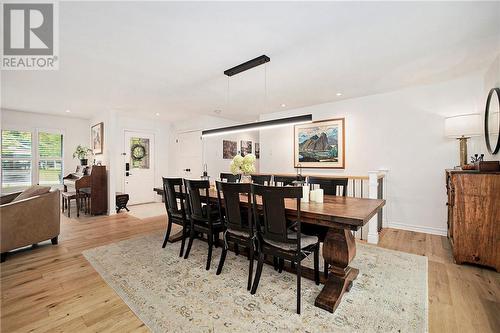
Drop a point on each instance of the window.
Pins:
(50, 153)
(16, 160)
(19, 157)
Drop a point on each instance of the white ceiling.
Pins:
(168, 58)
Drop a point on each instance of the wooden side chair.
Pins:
(238, 221)
(230, 178)
(276, 237)
(330, 186)
(204, 218)
(261, 179)
(176, 212)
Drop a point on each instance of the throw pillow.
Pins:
(32, 191)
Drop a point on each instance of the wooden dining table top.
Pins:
(333, 211)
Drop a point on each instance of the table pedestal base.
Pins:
(176, 237)
(339, 248)
(329, 298)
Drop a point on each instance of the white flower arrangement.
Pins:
(243, 165)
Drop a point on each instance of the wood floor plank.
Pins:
(54, 288)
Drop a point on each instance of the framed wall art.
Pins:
(97, 137)
(320, 144)
(229, 149)
(246, 147)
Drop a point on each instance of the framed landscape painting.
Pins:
(97, 137)
(320, 144)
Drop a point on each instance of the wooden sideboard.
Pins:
(474, 216)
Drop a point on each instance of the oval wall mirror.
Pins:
(492, 121)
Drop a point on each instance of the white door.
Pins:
(189, 154)
(139, 166)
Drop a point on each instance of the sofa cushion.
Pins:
(32, 191)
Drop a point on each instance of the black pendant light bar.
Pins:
(258, 125)
(247, 65)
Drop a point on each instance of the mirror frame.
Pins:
(486, 127)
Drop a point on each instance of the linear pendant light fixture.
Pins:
(247, 65)
(259, 125)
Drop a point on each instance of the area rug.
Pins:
(170, 294)
(147, 210)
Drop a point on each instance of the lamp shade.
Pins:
(464, 125)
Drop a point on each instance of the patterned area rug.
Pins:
(170, 294)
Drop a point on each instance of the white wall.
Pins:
(75, 131)
(114, 145)
(402, 131)
(212, 150)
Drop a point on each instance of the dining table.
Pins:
(341, 216)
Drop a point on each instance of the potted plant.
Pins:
(82, 152)
(244, 166)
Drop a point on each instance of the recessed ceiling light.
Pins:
(283, 105)
(339, 94)
(68, 111)
(217, 111)
(157, 114)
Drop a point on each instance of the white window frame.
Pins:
(35, 155)
(37, 159)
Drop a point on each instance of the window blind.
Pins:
(16, 159)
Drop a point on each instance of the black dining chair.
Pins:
(238, 221)
(204, 217)
(230, 178)
(261, 179)
(277, 236)
(176, 212)
(285, 180)
(330, 186)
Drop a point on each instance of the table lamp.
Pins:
(463, 127)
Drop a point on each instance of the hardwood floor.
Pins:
(462, 298)
(53, 288)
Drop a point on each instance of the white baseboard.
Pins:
(418, 228)
(372, 239)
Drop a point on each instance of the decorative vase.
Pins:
(83, 161)
(247, 179)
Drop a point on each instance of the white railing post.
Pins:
(372, 194)
(384, 173)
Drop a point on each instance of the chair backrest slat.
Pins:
(198, 196)
(286, 180)
(236, 217)
(261, 179)
(273, 213)
(330, 185)
(230, 178)
(172, 188)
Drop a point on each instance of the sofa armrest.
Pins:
(30, 221)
